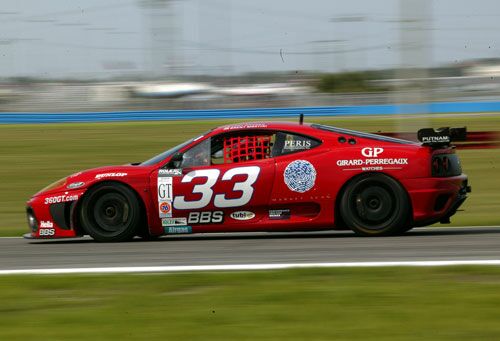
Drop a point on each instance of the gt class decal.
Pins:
(165, 188)
(205, 189)
(165, 194)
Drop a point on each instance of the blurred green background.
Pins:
(32, 156)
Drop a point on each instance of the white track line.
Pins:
(240, 267)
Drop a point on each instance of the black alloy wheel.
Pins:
(111, 212)
(375, 205)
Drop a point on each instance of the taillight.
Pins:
(436, 166)
(445, 165)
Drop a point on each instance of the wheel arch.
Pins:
(76, 216)
(339, 222)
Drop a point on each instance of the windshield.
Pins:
(167, 153)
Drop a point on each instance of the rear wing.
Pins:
(441, 137)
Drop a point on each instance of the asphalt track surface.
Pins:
(424, 244)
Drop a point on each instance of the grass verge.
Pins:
(32, 156)
(443, 303)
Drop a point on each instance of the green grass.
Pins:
(451, 303)
(32, 156)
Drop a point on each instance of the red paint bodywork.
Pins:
(312, 210)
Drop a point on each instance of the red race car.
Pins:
(265, 176)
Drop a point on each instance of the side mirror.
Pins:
(176, 157)
(176, 160)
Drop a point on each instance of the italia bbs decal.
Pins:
(300, 176)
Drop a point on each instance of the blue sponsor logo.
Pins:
(178, 229)
(300, 176)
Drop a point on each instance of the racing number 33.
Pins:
(220, 200)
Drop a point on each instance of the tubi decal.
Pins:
(242, 215)
(300, 176)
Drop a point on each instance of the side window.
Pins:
(199, 155)
(287, 143)
(242, 146)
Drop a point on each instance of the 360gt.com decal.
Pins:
(60, 198)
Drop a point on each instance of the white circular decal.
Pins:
(300, 176)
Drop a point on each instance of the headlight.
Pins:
(58, 183)
(32, 223)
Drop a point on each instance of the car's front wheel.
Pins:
(110, 212)
(375, 205)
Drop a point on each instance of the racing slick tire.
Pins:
(110, 212)
(375, 205)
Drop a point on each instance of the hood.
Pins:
(86, 178)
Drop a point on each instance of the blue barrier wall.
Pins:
(386, 109)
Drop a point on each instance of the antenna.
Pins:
(301, 119)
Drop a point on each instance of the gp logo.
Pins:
(371, 152)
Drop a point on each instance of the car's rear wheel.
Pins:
(375, 205)
(110, 213)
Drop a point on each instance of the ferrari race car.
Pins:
(265, 176)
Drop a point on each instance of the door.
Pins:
(218, 186)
